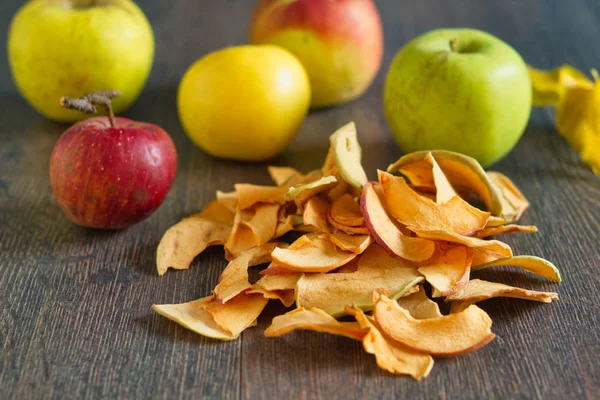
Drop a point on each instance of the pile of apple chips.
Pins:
(368, 251)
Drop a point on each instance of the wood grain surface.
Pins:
(75, 317)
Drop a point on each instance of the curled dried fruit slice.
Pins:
(302, 192)
(194, 317)
(249, 195)
(535, 265)
(389, 355)
(347, 155)
(238, 313)
(550, 86)
(492, 248)
(443, 189)
(351, 230)
(217, 211)
(498, 230)
(332, 292)
(419, 305)
(462, 171)
(313, 319)
(252, 227)
(281, 175)
(477, 290)
(234, 278)
(354, 243)
(185, 240)
(229, 199)
(279, 287)
(346, 211)
(315, 214)
(311, 253)
(386, 233)
(448, 335)
(449, 271)
(514, 203)
(414, 210)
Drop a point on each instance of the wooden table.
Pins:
(75, 317)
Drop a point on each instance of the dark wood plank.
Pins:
(74, 304)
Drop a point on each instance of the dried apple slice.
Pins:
(234, 278)
(252, 227)
(535, 265)
(332, 292)
(311, 253)
(338, 190)
(419, 305)
(279, 287)
(238, 313)
(315, 213)
(195, 318)
(313, 319)
(249, 195)
(385, 231)
(443, 188)
(284, 226)
(461, 171)
(351, 230)
(477, 290)
(273, 269)
(448, 335)
(281, 175)
(494, 248)
(354, 243)
(302, 192)
(347, 155)
(414, 210)
(217, 211)
(346, 211)
(185, 240)
(389, 355)
(513, 201)
(448, 272)
(498, 230)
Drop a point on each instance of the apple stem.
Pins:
(86, 103)
(453, 45)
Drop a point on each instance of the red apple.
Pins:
(111, 173)
(339, 42)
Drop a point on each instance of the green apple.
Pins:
(461, 90)
(72, 47)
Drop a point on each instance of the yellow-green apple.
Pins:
(339, 42)
(110, 173)
(462, 90)
(73, 47)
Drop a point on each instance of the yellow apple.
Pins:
(340, 43)
(244, 103)
(74, 47)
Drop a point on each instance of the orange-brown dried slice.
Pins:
(419, 305)
(450, 270)
(185, 240)
(217, 211)
(302, 192)
(389, 355)
(252, 227)
(313, 319)
(279, 287)
(514, 203)
(234, 278)
(354, 243)
(346, 211)
(238, 313)
(249, 195)
(194, 317)
(491, 247)
(498, 230)
(311, 253)
(315, 213)
(456, 215)
(281, 175)
(351, 230)
(387, 233)
(448, 335)
(477, 290)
